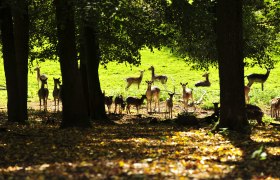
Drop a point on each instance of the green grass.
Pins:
(113, 77)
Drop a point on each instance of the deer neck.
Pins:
(207, 78)
(42, 85)
(38, 73)
(55, 86)
(267, 73)
(153, 73)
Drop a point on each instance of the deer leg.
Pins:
(128, 85)
(262, 86)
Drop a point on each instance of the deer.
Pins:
(152, 93)
(134, 80)
(40, 76)
(108, 100)
(275, 107)
(246, 92)
(56, 92)
(137, 102)
(169, 104)
(119, 101)
(205, 83)
(161, 78)
(261, 78)
(186, 95)
(43, 94)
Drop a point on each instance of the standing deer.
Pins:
(246, 91)
(169, 104)
(56, 92)
(161, 78)
(275, 107)
(135, 102)
(187, 94)
(206, 82)
(261, 78)
(40, 76)
(134, 80)
(152, 93)
(119, 101)
(43, 94)
(108, 102)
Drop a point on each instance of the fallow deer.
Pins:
(186, 95)
(108, 102)
(137, 102)
(56, 92)
(40, 76)
(152, 93)
(43, 94)
(134, 80)
(169, 104)
(261, 78)
(275, 107)
(161, 78)
(119, 101)
(205, 83)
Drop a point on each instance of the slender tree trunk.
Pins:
(231, 68)
(10, 66)
(92, 52)
(21, 33)
(73, 102)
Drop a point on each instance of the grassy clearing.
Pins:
(113, 79)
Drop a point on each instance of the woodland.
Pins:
(85, 141)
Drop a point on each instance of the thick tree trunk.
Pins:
(73, 102)
(10, 66)
(92, 52)
(231, 68)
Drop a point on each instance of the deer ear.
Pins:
(181, 83)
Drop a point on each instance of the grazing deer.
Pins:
(246, 91)
(108, 102)
(134, 80)
(261, 78)
(56, 92)
(161, 78)
(169, 104)
(152, 93)
(119, 101)
(187, 94)
(135, 102)
(206, 82)
(275, 107)
(43, 94)
(40, 76)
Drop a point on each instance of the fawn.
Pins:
(56, 92)
(169, 104)
(119, 101)
(152, 93)
(187, 94)
(137, 102)
(134, 80)
(43, 94)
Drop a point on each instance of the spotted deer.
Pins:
(134, 80)
(108, 100)
(275, 107)
(205, 83)
(186, 95)
(161, 78)
(43, 94)
(119, 101)
(137, 102)
(56, 92)
(152, 93)
(169, 104)
(261, 78)
(40, 76)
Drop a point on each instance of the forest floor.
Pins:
(143, 146)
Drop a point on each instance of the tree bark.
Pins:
(92, 57)
(10, 65)
(74, 109)
(231, 68)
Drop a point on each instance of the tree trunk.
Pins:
(73, 102)
(231, 68)
(92, 52)
(10, 66)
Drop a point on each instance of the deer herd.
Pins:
(152, 93)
